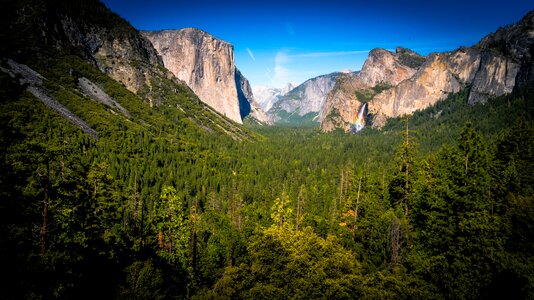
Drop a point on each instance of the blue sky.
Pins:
(276, 42)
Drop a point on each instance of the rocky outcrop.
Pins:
(247, 103)
(204, 63)
(125, 58)
(409, 58)
(497, 65)
(43, 33)
(487, 74)
(342, 104)
(307, 98)
(107, 41)
(383, 66)
(515, 41)
(381, 70)
(496, 76)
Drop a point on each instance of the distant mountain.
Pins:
(268, 96)
(400, 83)
(303, 103)
(247, 103)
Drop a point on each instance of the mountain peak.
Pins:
(382, 66)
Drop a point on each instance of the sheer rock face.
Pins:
(488, 74)
(204, 63)
(496, 76)
(342, 104)
(516, 42)
(431, 82)
(382, 67)
(499, 63)
(309, 97)
(247, 104)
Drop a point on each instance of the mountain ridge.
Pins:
(306, 99)
(88, 31)
(495, 66)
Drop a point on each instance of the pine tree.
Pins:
(281, 212)
(401, 186)
(456, 222)
(172, 228)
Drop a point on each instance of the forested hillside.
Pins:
(152, 209)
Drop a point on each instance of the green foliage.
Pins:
(286, 264)
(171, 227)
(366, 95)
(379, 88)
(458, 221)
(143, 281)
(294, 119)
(281, 212)
(411, 60)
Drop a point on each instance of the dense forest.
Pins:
(174, 201)
(435, 205)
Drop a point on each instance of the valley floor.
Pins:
(439, 205)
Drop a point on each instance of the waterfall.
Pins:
(359, 123)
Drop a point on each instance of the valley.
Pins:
(144, 165)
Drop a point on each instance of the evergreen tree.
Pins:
(172, 228)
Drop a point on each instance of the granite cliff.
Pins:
(382, 70)
(206, 64)
(400, 83)
(248, 106)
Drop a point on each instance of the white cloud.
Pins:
(332, 53)
(282, 74)
(251, 54)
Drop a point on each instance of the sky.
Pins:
(276, 42)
